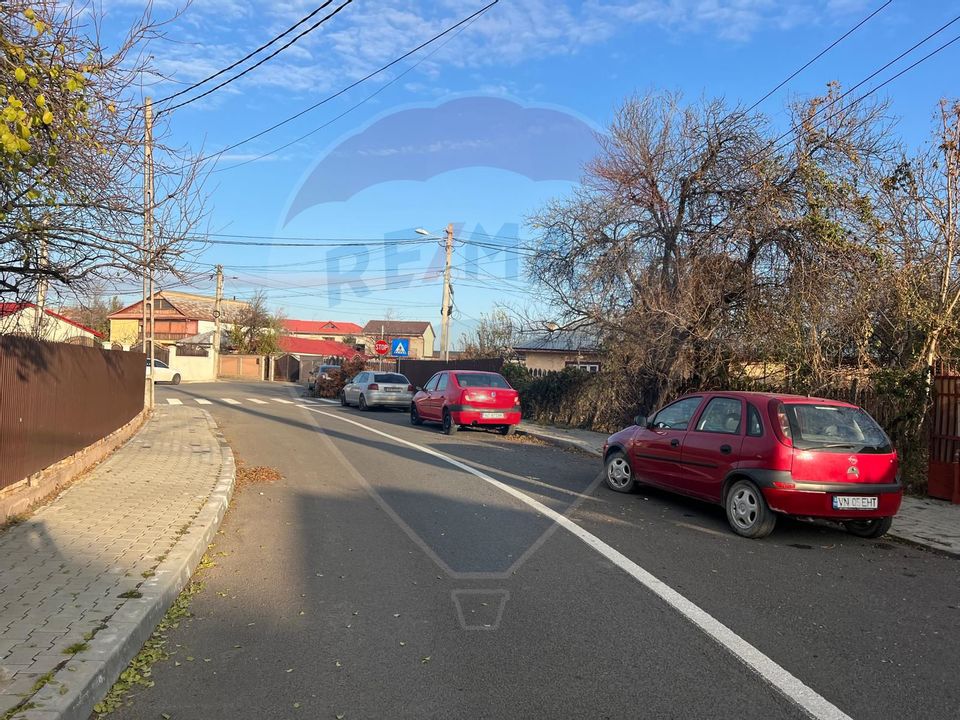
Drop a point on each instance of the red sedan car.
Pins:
(759, 454)
(456, 398)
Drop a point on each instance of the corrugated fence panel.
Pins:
(420, 371)
(56, 399)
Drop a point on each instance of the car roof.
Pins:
(783, 397)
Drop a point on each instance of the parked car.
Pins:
(759, 455)
(320, 372)
(458, 398)
(370, 389)
(163, 372)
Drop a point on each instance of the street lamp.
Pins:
(421, 231)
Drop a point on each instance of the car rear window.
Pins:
(391, 378)
(481, 380)
(835, 427)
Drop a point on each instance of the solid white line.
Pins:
(328, 401)
(174, 401)
(201, 401)
(229, 401)
(285, 402)
(778, 677)
(258, 402)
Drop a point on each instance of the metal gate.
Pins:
(943, 476)
(286, 368)
(160, 352)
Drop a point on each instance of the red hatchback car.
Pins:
(467, 397)
(760, 454)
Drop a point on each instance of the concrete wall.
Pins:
(193, 369)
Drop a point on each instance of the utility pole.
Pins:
(41, 286)
(217, 313)
(447, 292)
(148, 235)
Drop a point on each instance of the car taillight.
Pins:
(373, 386)
(782, 426)
(410, 388)
(468, 397)
(516, 400)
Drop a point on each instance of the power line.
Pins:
(794, 128)
(349, 110)
(357, 82)
(257, 64)
(866, 94)
(819, 55)
(249, 55)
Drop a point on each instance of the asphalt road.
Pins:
(378, 579)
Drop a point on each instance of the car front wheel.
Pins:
(176, 379)
(343, 398)
(870, 529)
(748, 512)
(619, 475)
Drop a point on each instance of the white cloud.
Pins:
(213, 33)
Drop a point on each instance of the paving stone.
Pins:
(62, 570)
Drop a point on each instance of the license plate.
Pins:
(390, 389)
(492, 415)
(849, 502)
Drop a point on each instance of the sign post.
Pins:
(381, 347)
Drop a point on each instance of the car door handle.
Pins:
(726, 449)
(674, 443)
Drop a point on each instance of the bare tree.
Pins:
(492, 337)
(257, 330)
(71, 155)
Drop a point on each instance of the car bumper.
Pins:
(816, 500)
(479, 416)
(402, 399)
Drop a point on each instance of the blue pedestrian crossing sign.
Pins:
(400, 347)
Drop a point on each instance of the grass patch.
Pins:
(76, 648)
(147, 574)
(131, 594)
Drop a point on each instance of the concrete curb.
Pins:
(557, 441)
(89, 676)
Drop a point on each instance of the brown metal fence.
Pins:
(56, 399)
(943, 480)
(419, 371)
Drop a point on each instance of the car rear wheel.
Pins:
(619, 475)
(748, 512)
(415, 418)
(508, 429)
(176, 379)
(362, 404)
(869, 528)
(449, 426)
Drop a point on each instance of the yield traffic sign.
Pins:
(400, 347)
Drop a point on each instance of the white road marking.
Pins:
(790, 686)
(285, 402)
(230, 401)
(327, 400)
(201, 401)
(258, 402)
(174, 401)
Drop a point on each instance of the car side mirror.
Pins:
(640, 420)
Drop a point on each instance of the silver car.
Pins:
(370, 389)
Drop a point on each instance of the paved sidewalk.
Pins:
(922, 521)
(133, 524)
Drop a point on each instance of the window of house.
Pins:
(590, 367)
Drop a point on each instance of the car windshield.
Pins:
(391, 378)
(481, 380)
(835, 427)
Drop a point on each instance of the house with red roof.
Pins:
(293, 345)
(25, 318)
(322, 329)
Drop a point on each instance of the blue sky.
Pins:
(576, 59)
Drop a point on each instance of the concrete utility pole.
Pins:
(447, 292)
(217, 314)
(148, 235)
